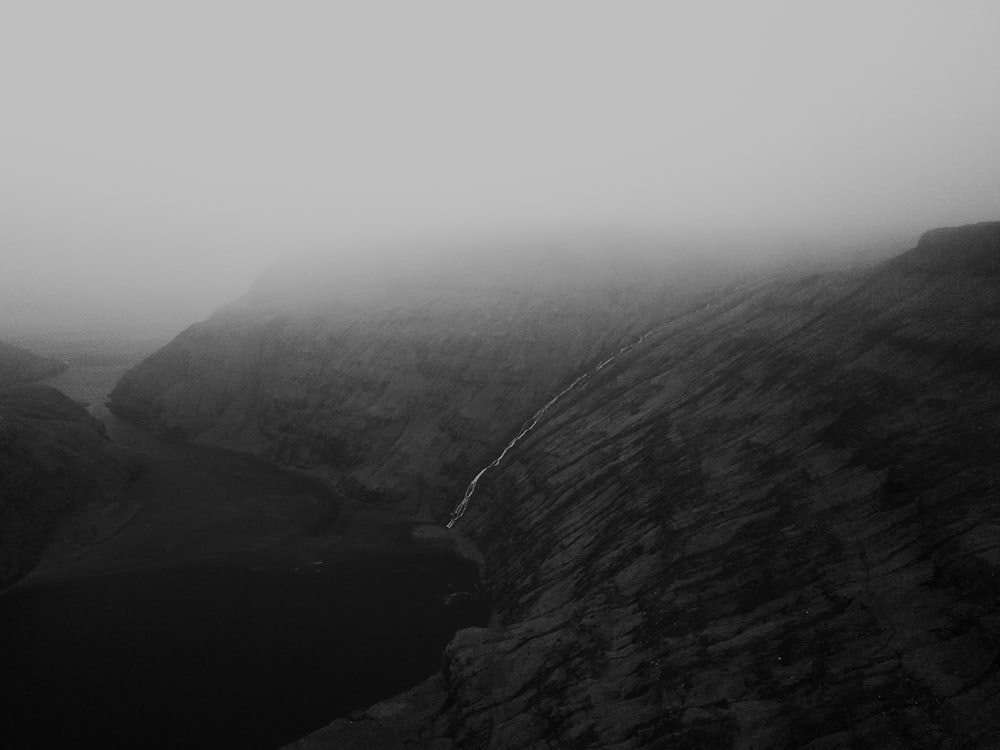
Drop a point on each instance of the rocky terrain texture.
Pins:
(54, 459)
(775, 524)
(396, 390)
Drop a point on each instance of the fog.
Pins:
(156, 157)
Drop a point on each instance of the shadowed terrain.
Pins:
(196, 597)
(773, 525)
(55, 459)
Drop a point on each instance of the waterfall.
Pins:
(530, 425)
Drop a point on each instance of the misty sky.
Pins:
(156, 156)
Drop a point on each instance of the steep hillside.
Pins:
(396, 390)
(774, 524)
(54, 459)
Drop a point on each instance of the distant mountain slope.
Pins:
(775, 524)
(396, 388)
(19, 365)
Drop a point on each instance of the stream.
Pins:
(531, 424)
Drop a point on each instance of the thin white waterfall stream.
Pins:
(530, 425)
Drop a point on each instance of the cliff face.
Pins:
(398, 394)
(774, 524)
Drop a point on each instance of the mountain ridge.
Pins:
(20, 365)
(395, 397)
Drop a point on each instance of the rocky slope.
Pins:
(396, 389)
(19, 365)
(55, 459)
(775, 524)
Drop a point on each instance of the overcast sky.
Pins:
(155, 156)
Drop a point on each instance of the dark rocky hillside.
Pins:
(774, 524)
(55, 459)
(395, 390)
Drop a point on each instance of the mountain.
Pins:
(773, 524)
(18, 365)
(55, 461)
(394, 384)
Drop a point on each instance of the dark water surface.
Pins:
(220, 655)
(228, 604)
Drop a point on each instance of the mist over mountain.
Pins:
(447, 374)
(142, 188)
(392, 380)
(757, 507)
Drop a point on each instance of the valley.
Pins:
(445, 375)
(756, 514)
(206, 598)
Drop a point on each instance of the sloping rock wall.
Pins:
(54, 459)
(775, 524)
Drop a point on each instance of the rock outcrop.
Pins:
(775, 524)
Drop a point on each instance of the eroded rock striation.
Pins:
(776, 524)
